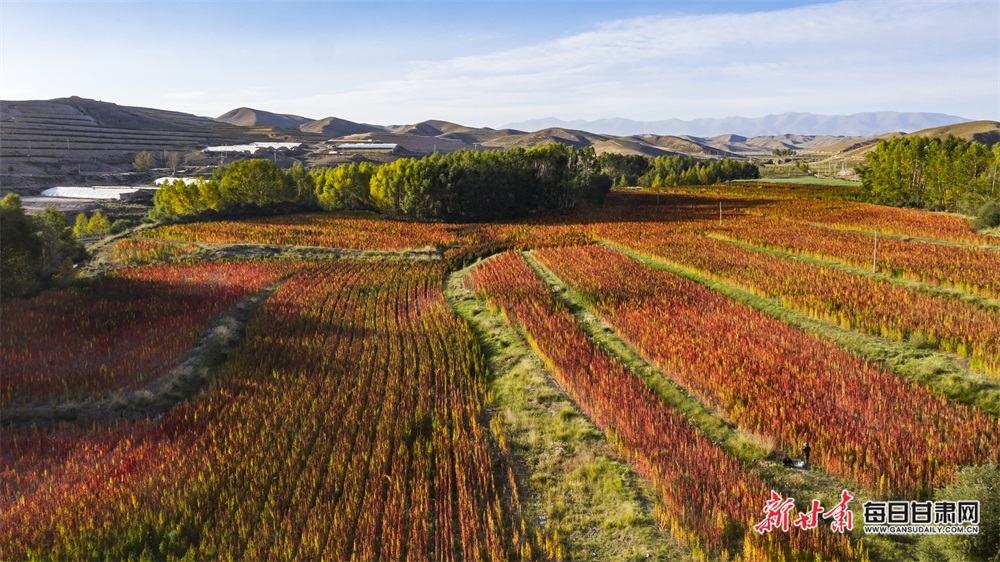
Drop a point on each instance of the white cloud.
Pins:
(836, 58)
(842, 57)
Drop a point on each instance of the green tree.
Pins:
(948, 174)
(58, 246)
(301, 185)
(346, 187)
(80, 226)
(625, 169)
(98, 224)
(255, 182)
(387, 185)
(143, 162)
(20, 250)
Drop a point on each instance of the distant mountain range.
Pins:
(856, 125)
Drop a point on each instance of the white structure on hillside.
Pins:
(187, 181)
(363, 147)
(97, 192)
(253, 147)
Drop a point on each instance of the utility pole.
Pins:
(875, 253)
(720, 213)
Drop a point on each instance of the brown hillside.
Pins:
(335, 127)
(628, 146)
(986, 132)
(247, 117)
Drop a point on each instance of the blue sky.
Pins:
(487, 63)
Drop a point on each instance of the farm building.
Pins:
(115, 193)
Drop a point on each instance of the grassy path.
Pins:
(577, 490)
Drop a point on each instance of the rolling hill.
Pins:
(247, 117)
(335, 127)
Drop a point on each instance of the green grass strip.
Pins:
(577, 491)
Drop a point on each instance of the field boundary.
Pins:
(756, 455)
(203, 364)
(560, 457)
(922, 286)
(941, 372)
(905, 237)
(239, 251)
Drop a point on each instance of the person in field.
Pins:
(805, 452)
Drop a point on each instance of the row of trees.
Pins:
(36, 252)
(672, 171)
(468, 185)
(463, 186)
(244, 183)
(949, 174)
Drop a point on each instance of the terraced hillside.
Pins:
(72, 139)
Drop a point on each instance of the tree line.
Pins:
(948, 174)
(636, 170)
(466, 185)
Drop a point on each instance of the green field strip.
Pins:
(922, 286)
(943, 373)
(575, 484)
(755, 455)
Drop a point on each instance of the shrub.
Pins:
(988, 215)
(972, 483)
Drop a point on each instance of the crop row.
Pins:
(141, 250)
(972, 269)
(320, 230)
(344, 230)
(872, 306)
(877, 218)
(346, 428)
(863, 423)
(705, 497)
(121, 332)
